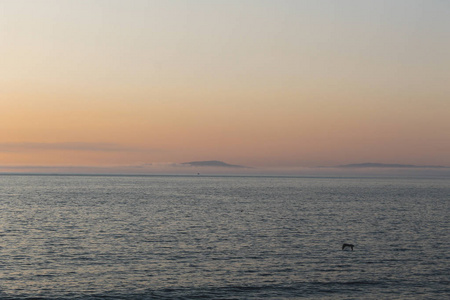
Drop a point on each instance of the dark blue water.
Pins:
(93, 237)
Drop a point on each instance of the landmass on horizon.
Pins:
(381, 165)
(213, 163)
(221, 164)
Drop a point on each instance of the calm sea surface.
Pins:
(94, 237)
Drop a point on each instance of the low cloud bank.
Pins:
(69, 146)
(170, 168)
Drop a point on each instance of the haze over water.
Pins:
(96, 237)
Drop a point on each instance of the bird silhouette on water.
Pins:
(347, 245)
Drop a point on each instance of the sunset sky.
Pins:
(266, 84)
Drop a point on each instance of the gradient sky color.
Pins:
(267, 84)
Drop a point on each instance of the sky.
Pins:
(141, 86)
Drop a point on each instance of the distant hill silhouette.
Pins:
(378, 165)
(212, 163)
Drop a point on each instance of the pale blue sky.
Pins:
(231, 40)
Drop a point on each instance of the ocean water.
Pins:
(174, 237)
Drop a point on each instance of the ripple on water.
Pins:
(222, 238)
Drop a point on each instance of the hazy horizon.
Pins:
(182, 169)
(279, 86)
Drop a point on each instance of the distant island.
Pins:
(212, 163)
(378, 165)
